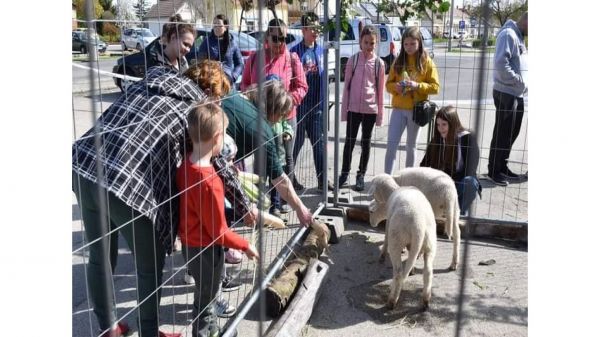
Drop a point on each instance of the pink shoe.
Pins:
(233, 256)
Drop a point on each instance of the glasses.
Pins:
(277, 38)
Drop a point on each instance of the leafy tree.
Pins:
(141, 7)
(501, 10)
(80, 6)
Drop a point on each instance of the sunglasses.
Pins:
(277, 38)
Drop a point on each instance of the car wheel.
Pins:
(82, 49)
(139, 47)
(343, 66)
(122, 83)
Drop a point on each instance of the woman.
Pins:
(220, 46)
(413, 76)
(454, 150)
(142, 141)
(175, 42)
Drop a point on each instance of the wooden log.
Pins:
(281, 290)
(296, 316)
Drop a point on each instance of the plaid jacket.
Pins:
(141, 144)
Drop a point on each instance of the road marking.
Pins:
(108, 73)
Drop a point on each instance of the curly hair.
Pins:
(209, 74)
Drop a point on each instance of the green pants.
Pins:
(141, 238)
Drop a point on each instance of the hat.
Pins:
(229, 149)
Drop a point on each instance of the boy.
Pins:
(202, 226)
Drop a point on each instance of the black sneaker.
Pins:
(275, 211)
(510, 174)
(498, 179)
(343, 180)
(297, 185)
(228, 284)
(360, 182)
(329, 186)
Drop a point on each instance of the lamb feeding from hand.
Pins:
(410, 225)
(440, 190)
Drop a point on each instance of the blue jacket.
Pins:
(232, 61)
(312, 96)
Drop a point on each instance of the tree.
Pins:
(141, 7)
(81, 9)
(404, 8)
(501, 10)
(124, 12)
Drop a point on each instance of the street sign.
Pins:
(461, 24)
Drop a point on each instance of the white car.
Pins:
(137, 38)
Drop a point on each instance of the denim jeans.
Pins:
(312, 125)
(467, 189)
(399, 120)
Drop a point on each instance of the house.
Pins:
(160, 13)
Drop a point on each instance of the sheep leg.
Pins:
(453, 217)
(383, 248)
(427, 277)
(401, 273)
(397, 281)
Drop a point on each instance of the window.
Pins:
(383, 35)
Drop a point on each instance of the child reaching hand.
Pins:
(202, 226)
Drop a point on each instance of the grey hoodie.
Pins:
(510, 61)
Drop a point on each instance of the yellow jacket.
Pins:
(428, 84)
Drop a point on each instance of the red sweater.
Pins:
(287, 66)
(202, 209)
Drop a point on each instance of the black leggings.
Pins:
(354, 121)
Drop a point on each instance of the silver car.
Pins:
(136, 38)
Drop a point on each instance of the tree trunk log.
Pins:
(292, 321)
(282, 289)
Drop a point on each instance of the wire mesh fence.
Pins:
(317, 161)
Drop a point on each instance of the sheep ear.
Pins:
(371, 190)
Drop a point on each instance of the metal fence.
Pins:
(465, 75)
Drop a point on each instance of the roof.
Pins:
(164, 9)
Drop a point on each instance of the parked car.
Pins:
(136, 38)
(135, 64)
(80, 42)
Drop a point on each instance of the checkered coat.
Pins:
(141, 142)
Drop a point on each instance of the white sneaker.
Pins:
(224, 310)
(188, 279)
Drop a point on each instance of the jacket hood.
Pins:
(167, 81)
(511, 24)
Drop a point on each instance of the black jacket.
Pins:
(468, 147)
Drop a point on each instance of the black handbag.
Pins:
(423, 112)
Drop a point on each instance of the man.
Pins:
(310, 111)
(510, 84)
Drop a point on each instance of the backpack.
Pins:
(377, 66)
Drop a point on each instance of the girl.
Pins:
(220, 46)
(362, 103)
(454, 150)
(412, 78)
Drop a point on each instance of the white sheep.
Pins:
(440, 190)
(410, 225)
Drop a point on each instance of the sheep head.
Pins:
(377, 212)
(382, 186)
